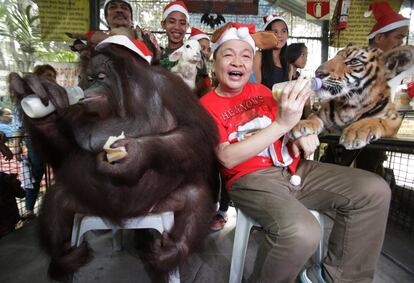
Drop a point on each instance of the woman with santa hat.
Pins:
(270, 65)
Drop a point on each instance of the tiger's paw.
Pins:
(359, 135)
(305, 128)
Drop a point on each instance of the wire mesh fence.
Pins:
(400, 171)
(19, 165)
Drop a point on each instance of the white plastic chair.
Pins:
(241, 239)
(161, 222)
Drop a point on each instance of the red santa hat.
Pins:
(124, 1)
(271, 18)
(134, 45)
(175, 6)
(410, 89)
(282, 155)
(232, 31)
(386, 18)
(197, 34)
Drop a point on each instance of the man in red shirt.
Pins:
(267, 180)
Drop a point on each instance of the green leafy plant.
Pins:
(20, 22)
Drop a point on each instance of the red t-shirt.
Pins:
(239, 117)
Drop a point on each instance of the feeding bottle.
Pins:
(34, 108)
(277, 89)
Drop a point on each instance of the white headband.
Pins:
(241, 33)
(176, 8)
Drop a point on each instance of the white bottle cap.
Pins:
(34, 108)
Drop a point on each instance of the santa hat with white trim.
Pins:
(124, 1)
(197, 34)
(231, 31)
(175, 6)
(283, 156)
(387, 19)
(243, 32)
(271, 18)
(134, 45)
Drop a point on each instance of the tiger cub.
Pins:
(355, 96)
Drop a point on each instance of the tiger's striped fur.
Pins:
(355, 96)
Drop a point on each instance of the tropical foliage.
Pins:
(19, 21)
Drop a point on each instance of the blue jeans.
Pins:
(37, 170)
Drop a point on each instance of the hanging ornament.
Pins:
(211, 20)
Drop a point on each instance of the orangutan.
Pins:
(169, 140)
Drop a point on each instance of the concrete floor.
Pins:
(21, 259)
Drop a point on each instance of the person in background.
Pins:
(270, 66)
(268, 181)
(387, 33)
(10, 127)
(6, 118)
(45, 72)
(390, 28)
(175, 22)
(205, 73)
(296, 56)
(36, 164)
(118, 14)
(4, 149)
(10, 187)
(203, 39)
(119, 18)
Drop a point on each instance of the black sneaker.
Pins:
(312, 274)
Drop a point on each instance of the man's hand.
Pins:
(307, 143)
(291, 103)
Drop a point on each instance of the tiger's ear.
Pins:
(398, 60)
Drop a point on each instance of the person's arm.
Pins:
(257, 66)
(292, 101)
(231, 155)
(97, 37)
(149, 38)
(307, 143)
(5, 150)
